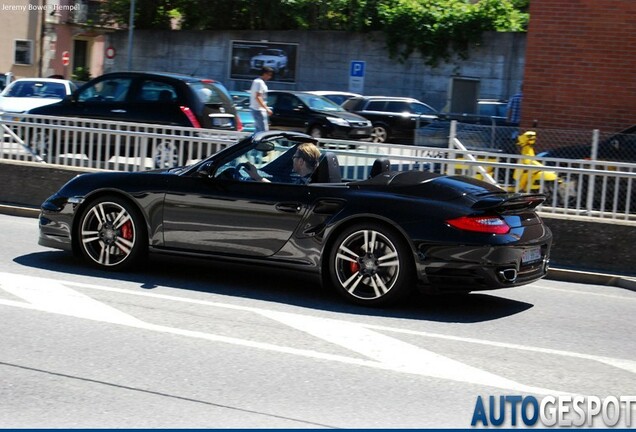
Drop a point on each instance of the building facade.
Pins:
(50, 37)
(580, 69)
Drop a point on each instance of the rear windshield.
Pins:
(211, 92)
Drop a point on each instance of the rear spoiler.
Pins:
(509, 202)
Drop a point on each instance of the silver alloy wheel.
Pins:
(379, 134)
(367, 264)
(41, 144)
(108, 234)
(315, 132)
(166, 154)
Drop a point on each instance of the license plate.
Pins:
(531, 255)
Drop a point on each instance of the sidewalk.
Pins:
(565, 275)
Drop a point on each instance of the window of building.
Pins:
(23, 52)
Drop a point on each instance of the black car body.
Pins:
(373, 239)
(394, 119)
(156, 98)
(315, 115)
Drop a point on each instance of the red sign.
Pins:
(66, 58)
(110, 52)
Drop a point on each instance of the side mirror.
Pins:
(204, 170)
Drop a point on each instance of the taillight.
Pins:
(239, 123)
(190, 115)
(483, 224)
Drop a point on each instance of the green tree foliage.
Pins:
(435, 28)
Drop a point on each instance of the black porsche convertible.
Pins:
(375, 239)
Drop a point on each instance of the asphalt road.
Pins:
(188, 343)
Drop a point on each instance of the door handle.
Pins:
(123, 111)
(289, 207)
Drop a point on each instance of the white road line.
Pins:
(398, 355)
(383, 351)
(579, 292)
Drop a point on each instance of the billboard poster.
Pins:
(248, 57)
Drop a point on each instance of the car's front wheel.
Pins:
(379, 134)
(371, 265)
(316, 132)
(111, 234)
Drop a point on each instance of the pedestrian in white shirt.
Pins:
(258, 99)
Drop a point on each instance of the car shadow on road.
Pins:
(277, 286)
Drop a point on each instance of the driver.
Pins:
(305, 161)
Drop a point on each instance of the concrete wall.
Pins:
(324, 59)
(586, 246)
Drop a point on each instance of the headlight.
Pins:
(338, 121)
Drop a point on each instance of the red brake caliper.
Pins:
(126, 230)
(354, 266)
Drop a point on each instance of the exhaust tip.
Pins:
(508, 275)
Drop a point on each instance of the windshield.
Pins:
(36, 89)
(319, 103)
(273, 158)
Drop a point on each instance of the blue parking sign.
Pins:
(357, 69)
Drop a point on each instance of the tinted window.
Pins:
(418, 108)
(375, 106)
(286, 102)
(156, 91)
(319, 103)
(398, 107)
(110, 90)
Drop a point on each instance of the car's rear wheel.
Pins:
(316, 132)
(42, 145)
(371, 265)
(379, 134)
(111, 234)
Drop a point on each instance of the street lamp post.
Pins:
(131, 28)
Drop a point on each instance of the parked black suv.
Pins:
(158, 98)
(393, 118)
(315, 115)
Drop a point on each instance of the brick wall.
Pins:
(580, 67)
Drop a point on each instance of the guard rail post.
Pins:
(593, 156)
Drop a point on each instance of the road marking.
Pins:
(397, 355)
(614, 296)
(383, 351)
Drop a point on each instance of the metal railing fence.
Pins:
(578, 188)
(106, 144)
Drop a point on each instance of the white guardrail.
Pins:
(580, 189)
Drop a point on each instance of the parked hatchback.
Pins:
(158, 98)
(393, 118)
(315, 115)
